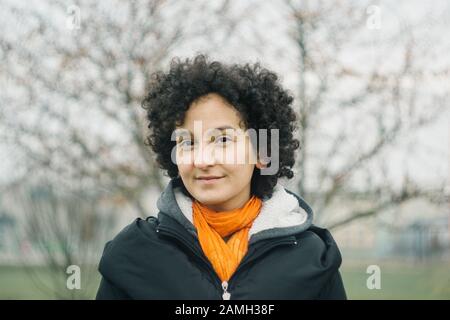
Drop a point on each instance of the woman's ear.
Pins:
(260, 164)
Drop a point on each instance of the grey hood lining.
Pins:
(283, 214)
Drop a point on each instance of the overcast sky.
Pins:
(427, 157)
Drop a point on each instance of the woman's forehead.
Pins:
(214, 110)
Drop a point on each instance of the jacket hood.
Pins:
(284, 214)
(140, 264)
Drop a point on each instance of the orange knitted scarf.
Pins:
(212, 226)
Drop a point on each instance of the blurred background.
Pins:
(371, 81)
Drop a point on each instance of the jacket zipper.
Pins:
(228, 284)
(225, 285)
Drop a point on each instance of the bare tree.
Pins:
(63, 229)
(355, 113)
(73, 78)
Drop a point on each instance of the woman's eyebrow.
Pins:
(223, 128)
(191, 135)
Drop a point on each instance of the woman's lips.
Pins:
(209, 180)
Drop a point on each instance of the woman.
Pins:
(226, 229)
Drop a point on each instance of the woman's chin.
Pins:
(210, 199)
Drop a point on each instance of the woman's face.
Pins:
(213, 144)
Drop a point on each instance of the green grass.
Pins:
(41, 283)
(398, 281)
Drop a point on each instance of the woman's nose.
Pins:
(204, 156)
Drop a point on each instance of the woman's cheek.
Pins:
(184, 169)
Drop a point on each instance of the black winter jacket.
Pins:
(161, 258)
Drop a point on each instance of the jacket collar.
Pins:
(284, 214)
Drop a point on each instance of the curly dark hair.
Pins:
(253, 90)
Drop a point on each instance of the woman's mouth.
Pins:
(209, 179)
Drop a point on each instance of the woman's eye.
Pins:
(185, 144)
(223, 139)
